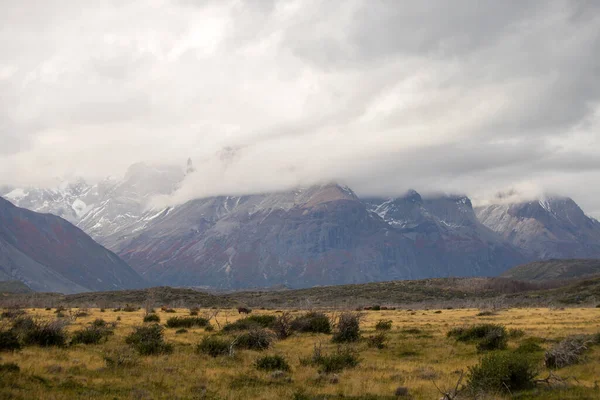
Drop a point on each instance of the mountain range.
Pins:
(48, 253)
(317, 235)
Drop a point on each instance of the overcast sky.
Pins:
(383, 95)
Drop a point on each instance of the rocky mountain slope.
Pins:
(554, 227)
(48, 253)
(320, 235)
(312, 236)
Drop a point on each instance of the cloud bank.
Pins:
(383, 96)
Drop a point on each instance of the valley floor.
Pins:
(418, 353)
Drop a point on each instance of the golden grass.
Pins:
(410, 360)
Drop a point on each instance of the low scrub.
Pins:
(382, 325)
(283, 326)
(272, 363)
(149, 340)
(122, 357)
(314, 322)
(41, 333)
(9, 341)
(569, 351)
(487, 336)
(186, 322)
(12, 314)
(502, 372)
(213, 346)
(152, 318)
(93, 334)
(347, 328)
(255, 339)
(251, 322)
(330, 363)
(378, 340)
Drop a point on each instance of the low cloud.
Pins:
(382, 96)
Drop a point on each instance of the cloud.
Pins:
(384, 96)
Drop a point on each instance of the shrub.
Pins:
(263, 320)
(9, 367)
(487, 313)
(376, 307)
(12, 314)
(129, 308)
(348, 328)
(475, 332)
(377, 340)
(121, 357)
(382, 325)
(567, 352)
(213, 346)
(48, 308)
(9, 341)
(283, 326)
(43, 334)
(272, 363)
(152, 318)
(186, 322)
(149, 340)
(169, 310)
(209, 328)
(501, 371)
(84, 312)
(528, 347)
(343, 358)
(92, 334)
(181, 331)
(100, 323)
(495, 339)
(516, 333)
(315, 322)
(255, 339)
(194, 311)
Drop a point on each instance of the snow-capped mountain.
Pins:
(551, 227)
(323, 234)
(107, 207)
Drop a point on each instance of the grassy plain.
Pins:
(418, 353)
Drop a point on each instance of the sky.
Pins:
(476, 97)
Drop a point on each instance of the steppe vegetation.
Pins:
(211, 353)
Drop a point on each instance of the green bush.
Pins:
(11, 314)
(378, 340)
(253, 321)
(43, 334)
(255, 339)
(9, 367)
(152, 318)
(149, 340)
(186, 322)
(272, 363)
(121, 357)
(315, 322)
(343, 358)
(194, 311)
(529, 346)
(9, 341)
(502, 372)
(348, 328)
(475, 333)
(213, 346)
(92, 334)
(382, 325)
